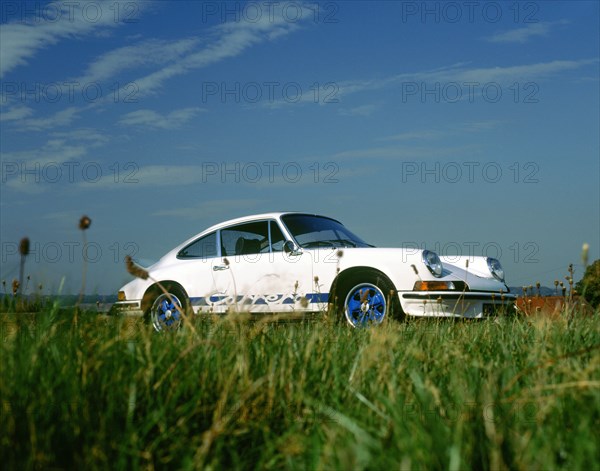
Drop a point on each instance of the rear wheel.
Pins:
(165, 312)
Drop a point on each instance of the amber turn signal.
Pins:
(433, 286)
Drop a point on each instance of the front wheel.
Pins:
(166, 311)
(368, 300)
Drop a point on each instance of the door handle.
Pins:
(220, 267)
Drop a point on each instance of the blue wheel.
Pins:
(166, 312)
(365, 305)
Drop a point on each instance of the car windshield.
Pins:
(318, 231)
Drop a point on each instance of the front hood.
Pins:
(472, 270)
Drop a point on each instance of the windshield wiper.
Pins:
(331, 243)
(346, 242)
(317, 243)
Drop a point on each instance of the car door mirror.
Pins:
(290, 248)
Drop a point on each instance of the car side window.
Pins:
(246, 239)
(205, 247)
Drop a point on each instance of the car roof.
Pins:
(239, 220)
(258, 217)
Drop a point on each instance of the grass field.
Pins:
(84, 391)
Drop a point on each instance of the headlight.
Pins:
(495, 268)
(432, 262)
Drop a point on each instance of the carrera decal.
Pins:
(270, 300)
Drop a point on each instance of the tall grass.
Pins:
(111, 393)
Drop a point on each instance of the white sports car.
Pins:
(300, 263)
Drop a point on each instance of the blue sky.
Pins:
(466, 128)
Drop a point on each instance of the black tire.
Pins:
(373, 292)
(162, 312)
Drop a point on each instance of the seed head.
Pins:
(15, 286)
(340, 253)
(84, 223)
(134, 269)
(24, 246)
(585, 254)
(226, 261)
(316, 280)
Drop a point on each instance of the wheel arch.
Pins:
(346, 276)
(153, 290)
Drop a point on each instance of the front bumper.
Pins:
(126, 308)
(473, 305)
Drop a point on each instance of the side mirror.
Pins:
(290, 248)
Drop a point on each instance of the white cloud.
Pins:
(363, 110)
(210, 208)
(50, 24)
(16, 113)
(522, 35)
(228, 40)
(403, 152)
(59, 119)
(538, 71)
(448, 131)
(461, 75)
(91, 137)
(152, 119)
(416, 135)
(153, 176)
(54, 151)
(145, 53)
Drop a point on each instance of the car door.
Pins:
(196, 273)
(256, 273)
